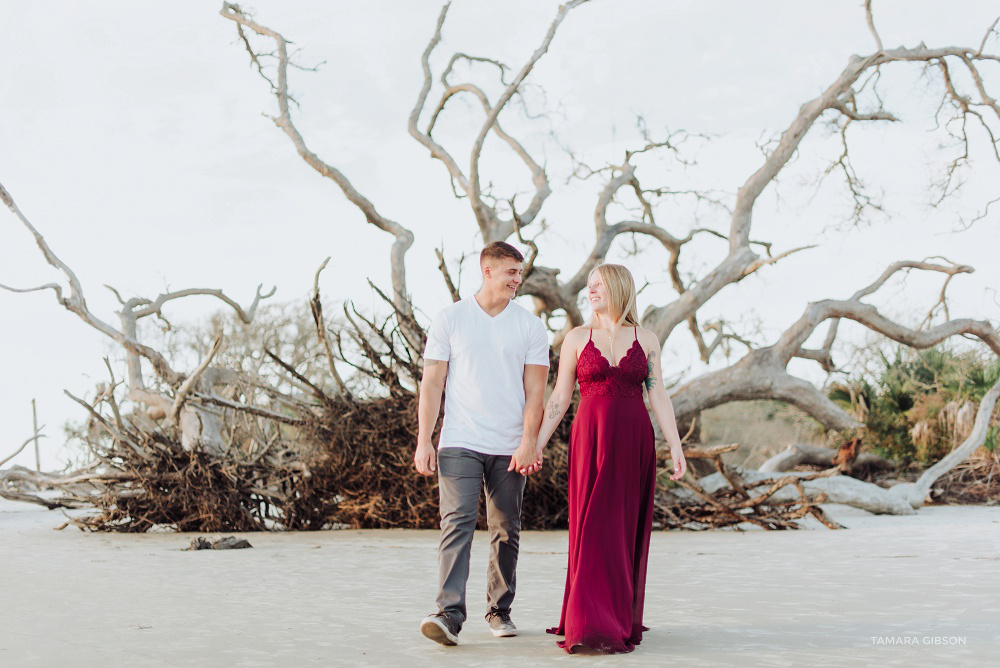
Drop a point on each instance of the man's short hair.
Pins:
(499, 250)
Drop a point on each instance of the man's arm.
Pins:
(526, 459)
(428, 410)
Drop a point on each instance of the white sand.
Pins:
(724, 598)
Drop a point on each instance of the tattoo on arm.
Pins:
(553, 409)
(650, 376)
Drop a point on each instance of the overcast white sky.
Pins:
(132, 136)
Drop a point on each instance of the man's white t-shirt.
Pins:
(484, 392)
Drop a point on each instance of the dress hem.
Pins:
(622, 647)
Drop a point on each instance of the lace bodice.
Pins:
(598, 378)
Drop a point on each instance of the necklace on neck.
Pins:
(611, 342)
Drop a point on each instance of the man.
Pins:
(494, 355)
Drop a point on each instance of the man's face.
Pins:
(503, 276)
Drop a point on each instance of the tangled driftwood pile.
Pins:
(353, 468)
(974, 481)
(326, 458)
(742, 501)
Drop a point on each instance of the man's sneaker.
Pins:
(501, 625)
(440, 628)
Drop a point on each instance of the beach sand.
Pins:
(814, 597)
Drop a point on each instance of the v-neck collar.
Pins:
(475, 305)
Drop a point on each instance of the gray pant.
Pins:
(462, 474)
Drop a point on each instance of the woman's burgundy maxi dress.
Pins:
(612, 469)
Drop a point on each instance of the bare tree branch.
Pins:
(153, 307)
(824, 352)
(190, 381)
(120, 436)
(478, 206)
(404, 238)
(78, 305)
(253, 410)
(317, 312)
(30, 439)
(762, 373)
(491, 226)
(447, 277)
(838, 96)
(871, 24)
(992, 29)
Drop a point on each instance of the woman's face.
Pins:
(597, 292)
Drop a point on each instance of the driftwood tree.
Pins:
(852, 98)
(177, 403)
(762, 373)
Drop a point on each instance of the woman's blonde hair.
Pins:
(621, 295)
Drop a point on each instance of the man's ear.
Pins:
(486, 270)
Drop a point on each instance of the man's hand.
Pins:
(425, 459)
(526, 460)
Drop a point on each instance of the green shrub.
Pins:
(919, 404)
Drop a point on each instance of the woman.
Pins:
(612, 464)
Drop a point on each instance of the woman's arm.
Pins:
(562, 394)
(659, 403)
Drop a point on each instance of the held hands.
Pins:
(526, 460)
(424, 459)
(680, 463)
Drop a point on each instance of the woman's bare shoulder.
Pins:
(576, 339)
(648, 339)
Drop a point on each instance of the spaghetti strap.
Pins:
(591, 337)
(636, 333)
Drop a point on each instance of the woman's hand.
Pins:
(680, 462)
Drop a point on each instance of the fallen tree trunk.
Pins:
(834, 489)
(902, 499)
(798, 454)
(17, 483)
(739, 501)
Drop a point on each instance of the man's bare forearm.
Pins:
(532, 421)
(534, 402)
(428, 406)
